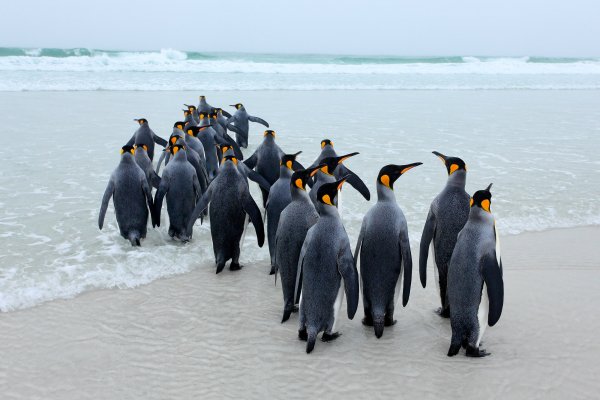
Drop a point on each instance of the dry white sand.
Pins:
(202, 335)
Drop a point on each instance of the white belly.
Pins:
(337, 306)
(482, 313)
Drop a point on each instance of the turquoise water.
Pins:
(169, 69)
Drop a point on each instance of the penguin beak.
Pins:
(489, 187)
(343, 158)
(441, 156)
(405, 168)
(296, 155)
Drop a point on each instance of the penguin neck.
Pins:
(300, 195)
(323, 177)
(385, 194)
(180, 156)
(457, 179)
(127, 159)
(285, 172)
(327, 211)
(269, 139)
(478, 215)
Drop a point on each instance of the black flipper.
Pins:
(163, 188)
(236, 149)
(226, 114)
(348, 271)
(259, 120)
(155, 179)
(235, 129)
(258, 178)
(492, 276)
(148, 193)
(251, 161)
(110, 188)
(253, 212)
(426, 238)
(406, 258)
(160, 141)
(200, 206)
(353, 180)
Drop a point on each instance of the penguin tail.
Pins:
(134, 238)
(378, 324)
(286, 315)
(311, 339)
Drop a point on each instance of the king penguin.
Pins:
(384, 249)
(194, 112)
(326, 174)
(279, 196)
(354, 180)
(145, 135)
(475, 284)
(294, 222)
(447, 216)
(131, 196)
(266, 160)
(180, 185)
(177, 131)
(144, 162)
(238, 123)
(230, 201)
(326, 258)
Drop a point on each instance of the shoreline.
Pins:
(179, 337)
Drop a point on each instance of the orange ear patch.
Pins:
(453, 168)
(485, 204)
(385, 180)
(299, 184)
(326, 199)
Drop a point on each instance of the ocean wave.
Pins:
(171, 60)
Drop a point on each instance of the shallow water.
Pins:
(539, 148)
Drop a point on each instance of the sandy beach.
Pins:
(204, 336)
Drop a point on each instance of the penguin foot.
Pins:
(235, 266)
(453, 350)
(367, 320)
(273, 269)
(220, 267)
(287, 312)
(329, 337)
(443, 312)
(476, 352)
(389, 321)
(303, 334)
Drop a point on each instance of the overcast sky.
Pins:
(417, 27)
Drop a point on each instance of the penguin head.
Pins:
(192, 130)
(218, 111)
(231, 158)
(301, 177)
(331, 163)
(482, 199)
(172, 140)
(202, 98)
(174, 148)
(140, 146)
(390, 173)
(127, 150)
(191, 108)
(141, 121)
(214, 114)
(186, 113)
(269, 132)
(288, 160)
(237, 106)
(224, 148)
(328, 191)
(452, 164)
(179, 125)
(326, 142)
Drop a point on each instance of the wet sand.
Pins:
(201, 335)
